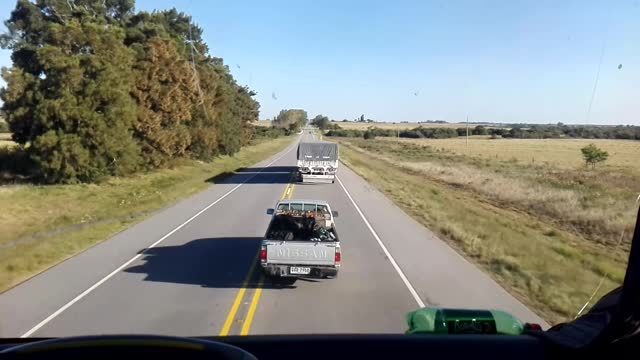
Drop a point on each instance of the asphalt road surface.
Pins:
(189, 270)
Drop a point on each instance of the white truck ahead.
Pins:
(317, 162)
(301, 241)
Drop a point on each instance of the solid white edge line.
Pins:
(111, 274)
(406, 282)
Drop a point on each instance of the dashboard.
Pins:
(306, 347)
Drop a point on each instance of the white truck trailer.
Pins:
(317, 162)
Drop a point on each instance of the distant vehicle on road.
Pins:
(317, 162)
(301, 240)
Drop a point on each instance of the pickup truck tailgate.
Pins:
(301, 252)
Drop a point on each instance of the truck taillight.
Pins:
(263, 254)
(338, 256)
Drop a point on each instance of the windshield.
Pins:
(472, 155)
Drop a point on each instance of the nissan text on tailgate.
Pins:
(301, 241)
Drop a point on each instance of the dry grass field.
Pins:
(563, 153)
(548, 230)
(265, 123)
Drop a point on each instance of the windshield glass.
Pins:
(473, 155)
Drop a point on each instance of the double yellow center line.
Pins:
(231, 317)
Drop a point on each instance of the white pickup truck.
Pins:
(301, 241)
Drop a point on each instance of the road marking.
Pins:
(234, 309)
(111, 274)
(238, 300)
(285, 192)
(412, 290)
(288, 191)
(252, 309)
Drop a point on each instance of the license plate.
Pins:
(299, 270)
(472, 327)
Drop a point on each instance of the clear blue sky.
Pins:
(500, 61)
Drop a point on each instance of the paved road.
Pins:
(187, 270)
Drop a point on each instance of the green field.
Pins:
(47, 224)
(546, 230)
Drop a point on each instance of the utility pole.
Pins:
(467, 142)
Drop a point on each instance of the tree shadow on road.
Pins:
(210, 262)
(255, 175)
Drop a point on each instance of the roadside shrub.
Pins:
(411, 134)
(479, 130)
(262, 132)
(369, 135)
(15, 161)
(345, 133)
(376, 131)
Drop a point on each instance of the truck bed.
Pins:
(300, 243)
(307, 227)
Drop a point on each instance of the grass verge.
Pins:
(551, 270)
(45, 225)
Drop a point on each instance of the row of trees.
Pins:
(415, 133)
(536, 132)
(321, 122)
(98, 89)
(574, 131)
(291, 119)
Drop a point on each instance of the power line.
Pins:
(602, 50)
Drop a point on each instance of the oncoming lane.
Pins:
(187, 283)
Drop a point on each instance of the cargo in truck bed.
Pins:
(300, 226)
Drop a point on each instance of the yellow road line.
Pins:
(285, 192)
(252, 308)
(232, 314)
(236, 303)
(228, 323)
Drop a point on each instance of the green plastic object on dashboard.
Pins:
(430, 320)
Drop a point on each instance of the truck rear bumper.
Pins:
(319, 179)
(284, 271)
